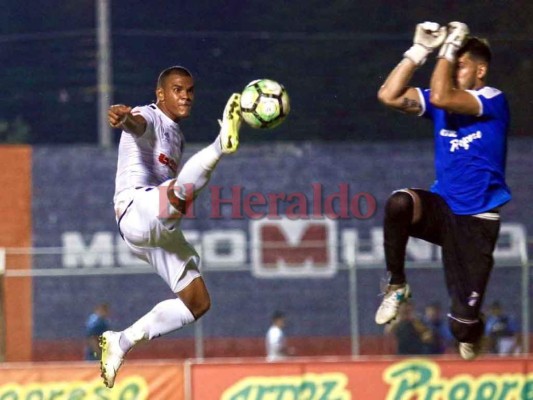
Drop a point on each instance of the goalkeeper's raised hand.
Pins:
(428, 37)
(457, 34)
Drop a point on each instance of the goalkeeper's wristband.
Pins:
(449, 52)
(417, 54)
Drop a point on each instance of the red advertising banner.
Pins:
(297, 379)
(364, 379)
(77, 381)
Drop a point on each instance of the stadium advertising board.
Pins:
(408, 379)
(77, 381)
(250, 379)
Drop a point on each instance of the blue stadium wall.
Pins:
(72, 193)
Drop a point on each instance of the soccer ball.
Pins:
(264, 104)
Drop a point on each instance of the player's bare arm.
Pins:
(445, 94)
(454, 75)
(396, 94)
(120, 116)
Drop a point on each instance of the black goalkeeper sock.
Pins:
(398, 217)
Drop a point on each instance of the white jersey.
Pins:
(148, 160)
(275, 343)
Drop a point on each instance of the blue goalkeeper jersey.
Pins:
(470, 153)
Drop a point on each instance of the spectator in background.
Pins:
(96, 324)
(275, 341)
(502, 331)
(440, 332)
(411, 334)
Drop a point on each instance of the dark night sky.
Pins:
(331, 56)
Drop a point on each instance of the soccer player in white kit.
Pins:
(151, 196)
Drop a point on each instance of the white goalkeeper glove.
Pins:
(428, 37)
(457, 34)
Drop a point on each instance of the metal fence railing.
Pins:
(354, 286)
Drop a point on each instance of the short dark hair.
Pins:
(278, 315)
(102, 306)
(495, 304)
(176, 69)
(477, 48)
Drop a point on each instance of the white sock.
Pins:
(197, 170)
(165, 317)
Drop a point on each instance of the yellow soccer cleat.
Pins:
(230, 124)
(112, 357)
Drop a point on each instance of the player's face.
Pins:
(176, 96)
(466, 73)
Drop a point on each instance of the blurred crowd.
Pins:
(428, 333)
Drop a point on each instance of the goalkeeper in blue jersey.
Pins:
(460, 212)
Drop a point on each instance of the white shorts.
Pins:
(160, 242)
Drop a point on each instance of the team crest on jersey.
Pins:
(168, 161)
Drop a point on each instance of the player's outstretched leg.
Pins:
(392, 298)
(112, 356)
(196, 172)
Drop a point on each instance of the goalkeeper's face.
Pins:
(176, 95)
(469, 73)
